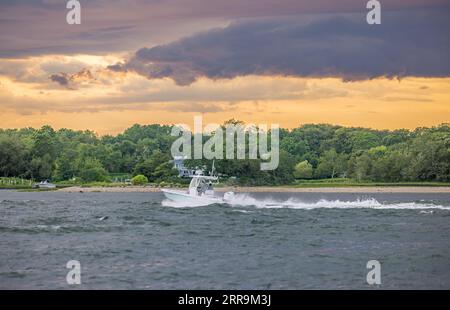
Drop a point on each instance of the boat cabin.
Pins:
(201, 185)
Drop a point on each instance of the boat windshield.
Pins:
(200, 185)
(197, 182)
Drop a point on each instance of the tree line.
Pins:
(312, 151)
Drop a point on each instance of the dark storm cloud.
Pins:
(70, 80)
(62, 79)
(405, 44)
(38, 27)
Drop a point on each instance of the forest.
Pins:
(309, 152)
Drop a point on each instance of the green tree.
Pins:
(156, 167)
(360, 153)
(45, 142)
(66, 165)
(165, 171)
(41, 167)
(303, 170)
(431, 156)
(93, 171)
(362, 167)
(331, 164)
(43, 153)
(13, 156)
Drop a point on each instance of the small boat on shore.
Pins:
(45, 185)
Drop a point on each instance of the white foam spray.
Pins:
(245, 200)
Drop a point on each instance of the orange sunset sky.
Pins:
(164, 62)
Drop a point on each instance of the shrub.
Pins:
(163, 184)
(95, 174)
(139, 180)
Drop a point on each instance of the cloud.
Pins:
(62, 79)
(46, 70)
(38, 27)
(71, 80)
(409, 43)
(191, 107)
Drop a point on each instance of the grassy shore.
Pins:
(327, 185)
(273, 189)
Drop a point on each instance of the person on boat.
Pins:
(201, 187)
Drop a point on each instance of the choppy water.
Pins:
(275, 241)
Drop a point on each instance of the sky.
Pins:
(289, 62)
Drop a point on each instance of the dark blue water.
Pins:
(275, 241)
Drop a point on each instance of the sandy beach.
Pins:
(356, 189)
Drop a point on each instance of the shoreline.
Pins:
(268, 189)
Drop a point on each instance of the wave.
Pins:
(372, 203)
(245, 200)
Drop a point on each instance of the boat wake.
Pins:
(372, 203)
(245, 200)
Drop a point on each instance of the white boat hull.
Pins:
(47, 186)
(187, 199)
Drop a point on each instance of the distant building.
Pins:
(183, 172)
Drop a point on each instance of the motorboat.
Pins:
(45, 185)
(200, 192)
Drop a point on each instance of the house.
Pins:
(183, 172)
